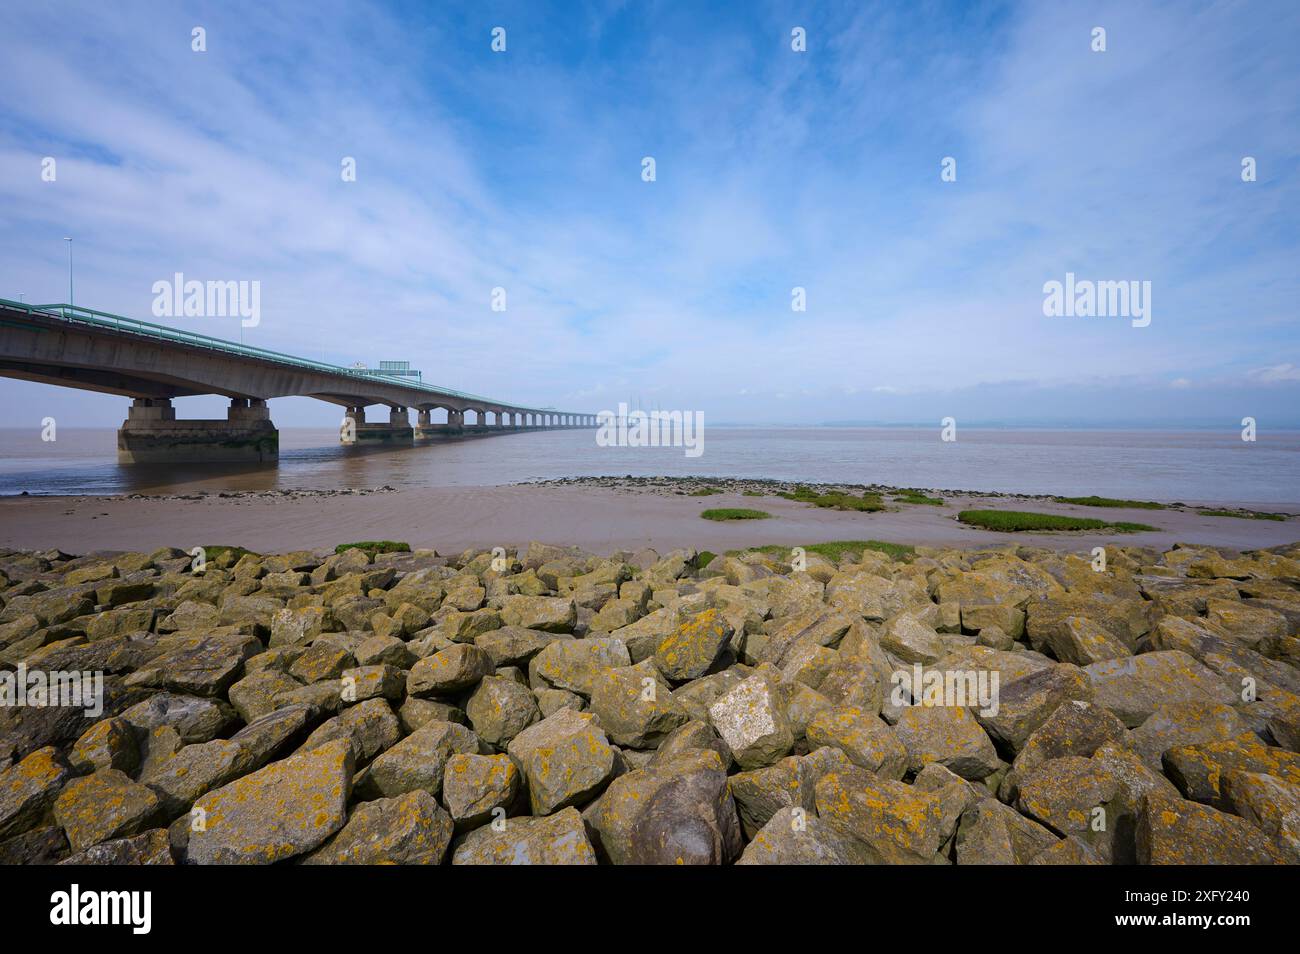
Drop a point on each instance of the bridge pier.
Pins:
(425, 429)
(355, 430)
(151, 434)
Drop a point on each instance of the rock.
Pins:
(752, 723)
(369, 727)
(572, 664)
(692, 648)
(372, 682)
(689, 820)
(1269, 803)
(150, 848)
(418, 761)
(794, 836)
(1185, 723)
(635, 708)
(692, 735)
(1026, 703)
(256, 694)
(1078, 640)
(911, 640)
(321, 661)
(1134, 688)
(28, 788)
(546, 613)
(565, 758)
(475, 787)
(109, 743)
(1198, 770)
(870, 596)
(1172, 831)
(1075, 728)
(417, 713)
(275, 733)
(991, 833)
(865, 738)
(947, 735)
(102, 806)
(1068, 851)
(500, 709)
(514, 645)
(286, 809)
(40, 846)
(384, 650)
(194, 718)
(814, 628)
(677, 811)
(198, 665)
(559, 839)
(1080, 797)
(411, 829)
(455, 668)
(762, 793)
(193, 771)
(643, 637)
(894, 823)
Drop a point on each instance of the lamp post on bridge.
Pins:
(68, 239)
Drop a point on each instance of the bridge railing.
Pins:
(75, 314)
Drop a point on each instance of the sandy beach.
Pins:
(598, 518)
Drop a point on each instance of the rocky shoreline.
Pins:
(1008, 705)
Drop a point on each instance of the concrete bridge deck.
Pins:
(152, 364)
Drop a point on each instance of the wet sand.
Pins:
(600, 519)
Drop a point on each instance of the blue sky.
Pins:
(775, 169)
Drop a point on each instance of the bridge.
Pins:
(152, 364)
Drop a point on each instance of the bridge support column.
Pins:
(355, 430)
(151, 434)
(426, 430)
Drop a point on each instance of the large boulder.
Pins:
(281, 811)
(103, 806)
(865, 738)
(691, 649)
(795, 836)
(478, 787)
(1172, 831)
(500, 709)
(893, 822)
(549, 614)
(752, 723)
(28, 788)
(949, 736)
(411, 829)
(455, 668)
(1136, 687)
(565, 758)
(418, 761)
(559, 839)
(678, 811)
(635, 708)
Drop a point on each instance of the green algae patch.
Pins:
(1112, 502)
(1018, 520)
(375, 546)
(734, 513)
